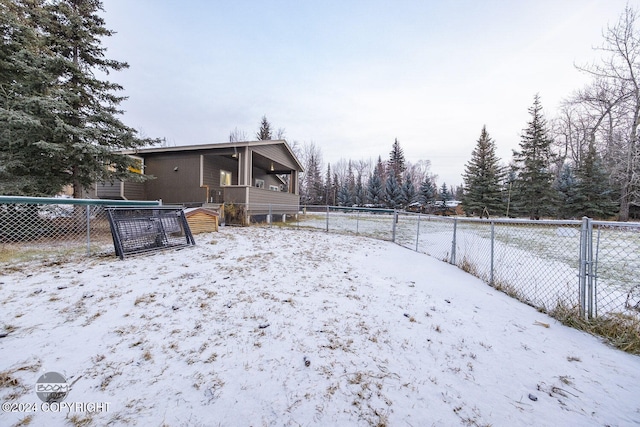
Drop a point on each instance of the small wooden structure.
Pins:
(201, 220)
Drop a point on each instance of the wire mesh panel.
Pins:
(139, 230)
(435, 236)
(473, 248)
(51, 230)
(54, 228)
(538, 261)
(616, 265)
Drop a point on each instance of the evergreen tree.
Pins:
(427, 193)
(593, 193)
(408, 192)
(393, 192)
(60, 123)
(375, 185)
(360, 193)
(351, 185)
(566, 187)
(375, 190)
(458, 192)
(380, 170)
(327, 186)
(396, 165)
(533, 193)
(344, 198)
(312, 188)
(264, 133)
(25, 76)
(482, 179)
(444, 195)
(335, 188)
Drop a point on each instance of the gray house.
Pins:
(261, 176)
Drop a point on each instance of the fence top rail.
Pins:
(65, 201)
(499, 220)
(617, 224)
(359, 208)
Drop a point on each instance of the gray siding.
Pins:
(134, 190)
(269, 179)
(174, 186)
(276, 152)
(108, 190)
(259, 201)
(211, 170)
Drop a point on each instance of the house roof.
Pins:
(218, 146)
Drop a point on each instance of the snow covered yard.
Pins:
(258, 326)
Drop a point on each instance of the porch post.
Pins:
(244, 178)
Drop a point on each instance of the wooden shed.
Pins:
(201, 220)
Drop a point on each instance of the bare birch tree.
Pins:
(614, 102)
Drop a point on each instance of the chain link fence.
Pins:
(54, 228)
(590, 266)
(616, 264)
(587, 265)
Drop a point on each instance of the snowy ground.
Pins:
(222, 333)
(537, 261)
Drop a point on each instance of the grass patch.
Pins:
(468, 267)
(619, 330)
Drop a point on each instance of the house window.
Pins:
(274, 188)
(139, 165)
(225, 178)
(260, 183)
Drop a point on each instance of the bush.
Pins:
(235, 215)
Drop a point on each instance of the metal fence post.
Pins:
(327, 230)
(395, 220)
(582, 273)
(270, 216)
(589, 268)
(418, 232)
(453, 243)
(88, 210)
(357, 221)
(493, 239)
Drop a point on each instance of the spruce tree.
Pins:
(344, 198)
(351, 184)
(375, 185)
(60, 122)
(335, 188)
(533, 193)
(327, 186)
(393, 192)
(26, 74)
(443, 197)
(396, 164)
(360, 192)
(482, 179)
(264, 132)
(408, 192)
(566, 187)
(593, 192)
(375, 191)
(312, 184)
(427, 193)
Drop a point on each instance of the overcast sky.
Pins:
(351, 76)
